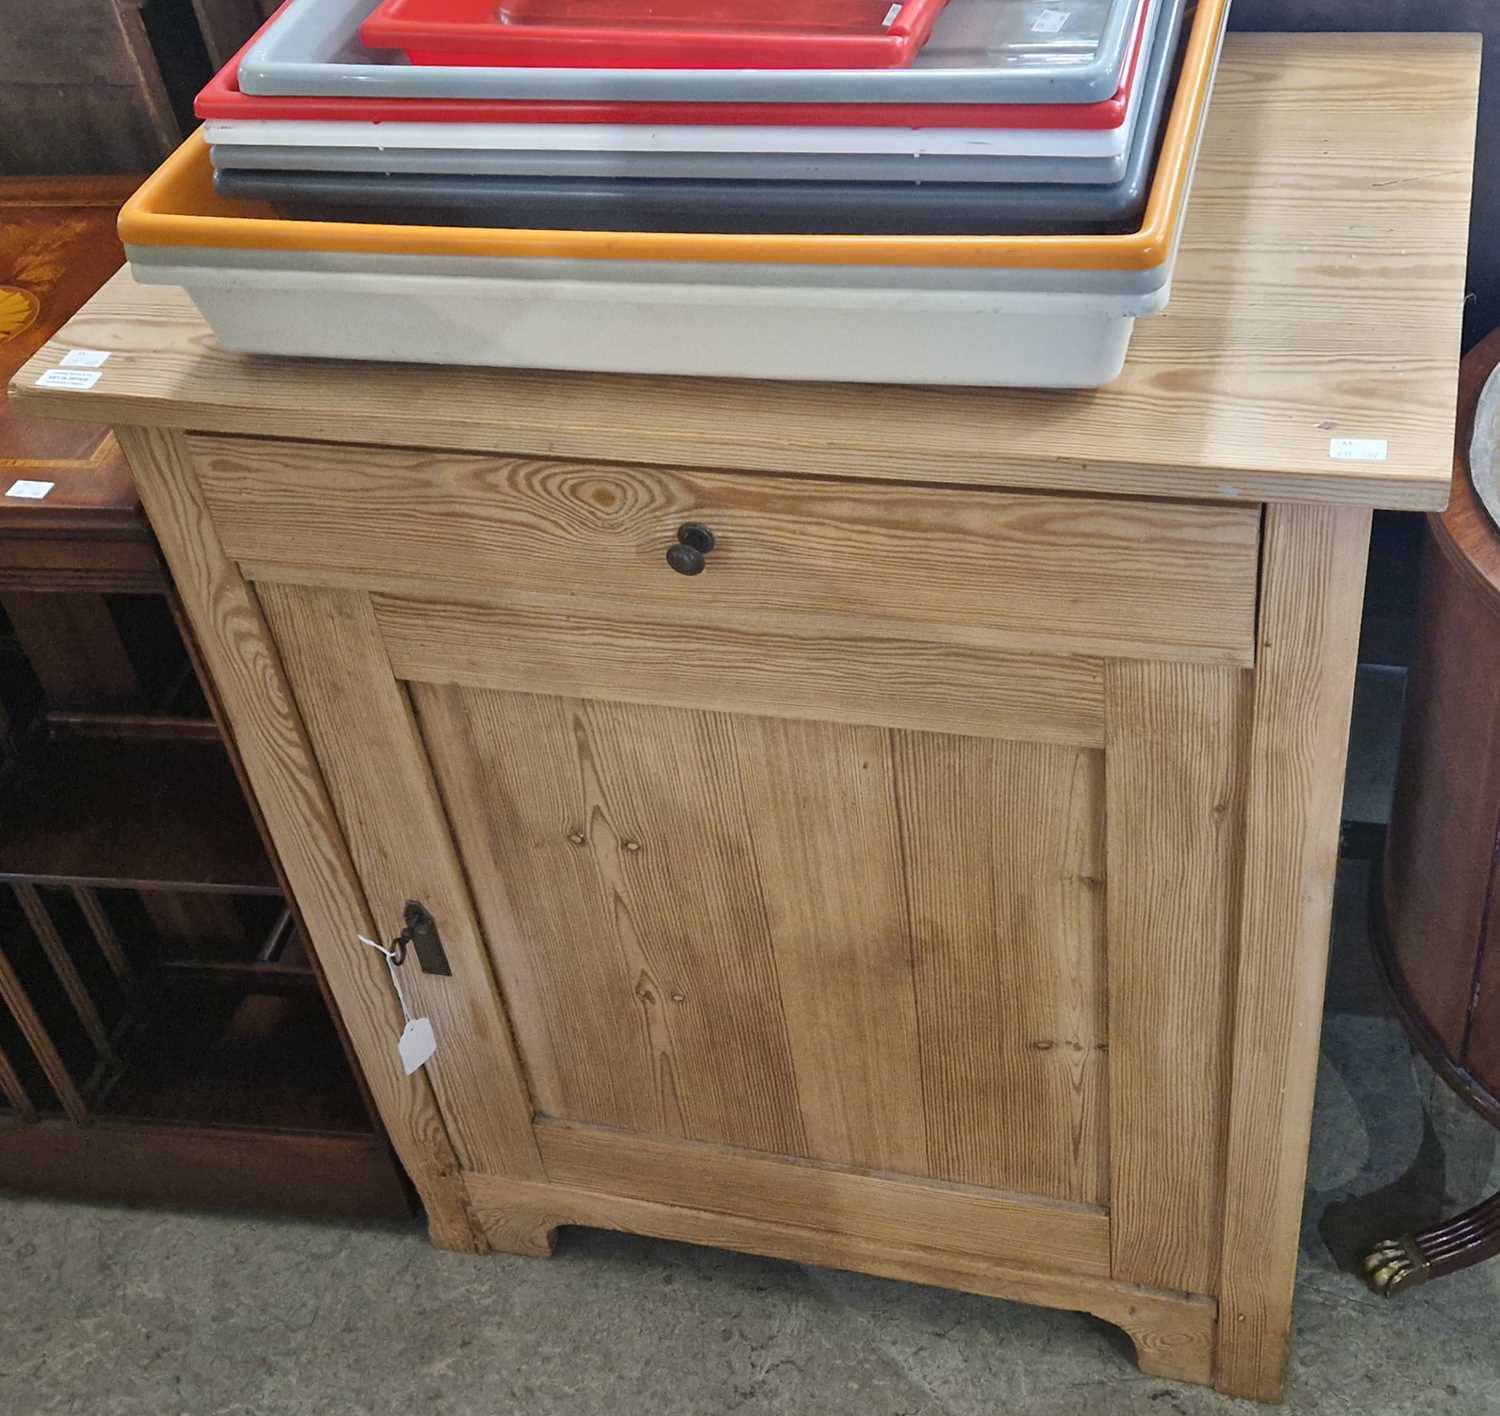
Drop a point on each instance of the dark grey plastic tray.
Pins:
(978, 53)
(740, 166)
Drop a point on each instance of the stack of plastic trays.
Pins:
(494, 226)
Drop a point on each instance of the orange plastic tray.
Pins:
(177, 207)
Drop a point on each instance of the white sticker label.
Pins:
(1050, 21)
(417, 1044)
(84, 358)
(69, 378)
(1357, 449)
(890, 16)
(30, 491)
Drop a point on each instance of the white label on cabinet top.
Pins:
(1050, 21)
(1358, 449)
(30, 491)
(84, 358)
(69, 378)
(890, 16)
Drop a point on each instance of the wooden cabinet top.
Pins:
(1318, 297)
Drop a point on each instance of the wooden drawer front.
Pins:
(1070, 574)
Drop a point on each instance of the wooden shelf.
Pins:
(167, 814)
(263, 1060)
(198, 1167)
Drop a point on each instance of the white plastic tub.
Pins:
(866, 334)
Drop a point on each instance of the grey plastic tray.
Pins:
(726, 204)
(981, 51)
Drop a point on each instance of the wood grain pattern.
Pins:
(1173, 1333)
(607, 845)
(585, 1007)
(1051, 573)
(13, 995)
(1003, 849)
(1318, 293)
(279, 761)
(1313, 581)
(361, 727)
(1174, 783)
(791, 666)
(1012, 1229)
(40, 920)
(826, 836)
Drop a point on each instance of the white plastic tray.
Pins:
(610, 138)
(314, 48)
(861, 334)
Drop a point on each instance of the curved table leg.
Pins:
(1394, 1265)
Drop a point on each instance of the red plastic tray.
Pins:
(222, 99)
(653, 34)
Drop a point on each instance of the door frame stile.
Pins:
(1307, 638)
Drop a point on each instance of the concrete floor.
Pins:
(107, 1312)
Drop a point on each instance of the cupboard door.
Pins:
(771, 920)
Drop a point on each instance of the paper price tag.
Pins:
(417, 1044)
(29, 491)
(69, 378)
(1050, 21)
(84, 359)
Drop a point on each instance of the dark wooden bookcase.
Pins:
(164, 1034)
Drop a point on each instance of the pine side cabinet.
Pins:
(937, 882)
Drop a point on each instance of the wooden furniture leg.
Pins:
(1312, 583)
(1394, 1265)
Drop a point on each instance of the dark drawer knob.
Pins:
(694, 542)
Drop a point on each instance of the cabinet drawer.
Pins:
(1063, 574)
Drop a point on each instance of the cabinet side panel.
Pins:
(1174, 777)
(1003, 849)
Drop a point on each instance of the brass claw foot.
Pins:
(1393, 1266)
